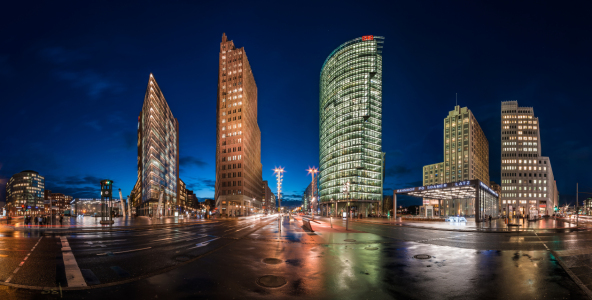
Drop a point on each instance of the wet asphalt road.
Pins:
(223, 259)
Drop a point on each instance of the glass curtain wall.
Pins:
(159, 148)
(351, 122)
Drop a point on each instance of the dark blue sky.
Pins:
(73, 77)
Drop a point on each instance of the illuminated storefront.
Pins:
(351, 127)
(469, 198)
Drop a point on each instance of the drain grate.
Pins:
(371, 248)
(349, 240)
(271, 281)
(422, 256)
(272, 261)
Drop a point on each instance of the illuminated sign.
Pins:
(489, 189)
(462, 183)
(436, 186)
(368, 38)
(406, 190)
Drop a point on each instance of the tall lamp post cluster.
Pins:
(279, 175)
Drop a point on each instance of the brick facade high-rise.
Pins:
(239, 184)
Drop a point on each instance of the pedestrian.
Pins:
(490, 219)
(8, 220)
(36, 220)
(61, 219)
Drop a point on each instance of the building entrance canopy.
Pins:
(485, 200)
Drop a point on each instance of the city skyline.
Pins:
(87, 132)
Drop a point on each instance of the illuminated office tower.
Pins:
(24, 193)
(350, 154)
(528, 184)
(158, 155)
(239, 184)
(466, 151)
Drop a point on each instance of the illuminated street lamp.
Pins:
(279, 175)
(313, 171)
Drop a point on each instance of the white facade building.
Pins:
(528, 184)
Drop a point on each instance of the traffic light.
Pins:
(555, 208)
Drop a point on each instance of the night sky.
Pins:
(73, 77)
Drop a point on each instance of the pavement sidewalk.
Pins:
(496, 225)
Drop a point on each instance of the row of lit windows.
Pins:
(231, 158)
(526, 195)
(232, 126)
(516, 117)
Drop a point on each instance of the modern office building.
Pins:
(268, 199)
(192, 200)
(466, 157)
(24, 193)
(350, 126)
(309, 197)
(528, 184)
(158, 155)
(239, 184)
(182, 203)
(433, 174)
(466, 151)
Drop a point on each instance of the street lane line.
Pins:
(22, 262)
(73, 274)
(100, 254)
(202, 244)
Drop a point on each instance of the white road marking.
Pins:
(202, 244)
(125, 251)
(73, 274)
(22, 262)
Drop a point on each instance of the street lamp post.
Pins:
(346, 194)
(279, 174)
(313, 171)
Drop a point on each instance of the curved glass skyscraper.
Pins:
(351, 157)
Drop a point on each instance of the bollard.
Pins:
(346, 223)
(331, 220)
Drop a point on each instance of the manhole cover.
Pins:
(182, 258)
(349, 240)
(371, 248)
(272, 261)
(422, 256)
(271, 281)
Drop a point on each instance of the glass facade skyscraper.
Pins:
(158, 154)
(350, 154)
